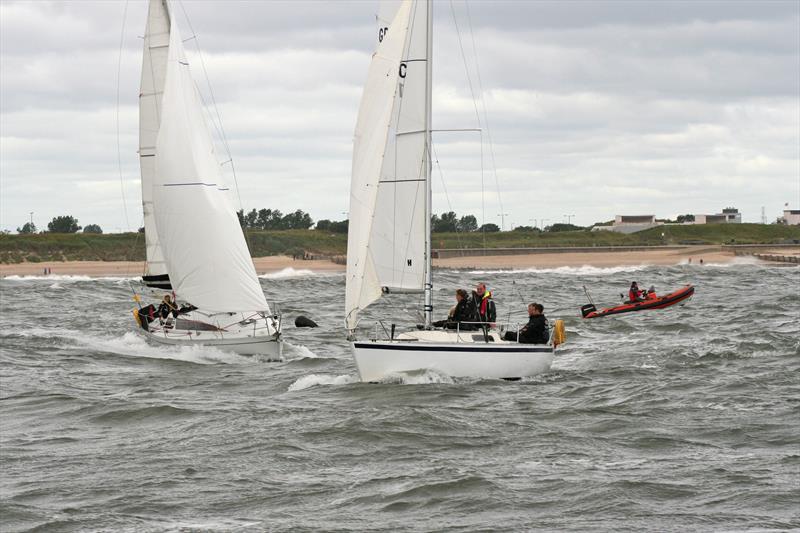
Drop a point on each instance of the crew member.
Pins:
(535, 331)
(634, 294)
(484, 305)
(167, 306)
(460, 314)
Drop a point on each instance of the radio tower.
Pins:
(763, 216)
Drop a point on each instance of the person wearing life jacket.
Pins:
(634, 294)
(166, 308)
(651, 293)
(482, 299)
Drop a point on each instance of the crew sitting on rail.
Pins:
(484, 305)
(535, 331)
(460, 314)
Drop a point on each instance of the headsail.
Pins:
(387, 230)
(154, 70)
(204, 248)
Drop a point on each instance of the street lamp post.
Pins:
(502, 220)
(569, 218)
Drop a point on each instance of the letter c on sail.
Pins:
(403, 67)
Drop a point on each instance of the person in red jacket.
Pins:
(634, 294)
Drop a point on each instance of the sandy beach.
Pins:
(272, 264)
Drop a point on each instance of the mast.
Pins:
(429, 166)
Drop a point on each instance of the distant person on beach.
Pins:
(459, 313)
(483, 304)
(535, 331)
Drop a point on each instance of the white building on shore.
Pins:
(791, 217)
(631, 223)
(729, 215)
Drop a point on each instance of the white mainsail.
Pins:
(154, 70)
(205, 252)
(388, 216)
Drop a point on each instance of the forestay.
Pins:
(154, 70)
(206, 255)
(387, 231)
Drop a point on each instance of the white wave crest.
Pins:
(132, 344)
(313, 380)
(419, 377)
(300, 351)
(288, 272)
(585, 270)
(135, 345)
(66, 277)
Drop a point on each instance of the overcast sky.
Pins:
(594, 108)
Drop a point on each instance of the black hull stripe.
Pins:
(423, 348)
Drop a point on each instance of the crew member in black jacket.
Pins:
(461, 312)
(535, 331)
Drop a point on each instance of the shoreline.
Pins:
(277, 264)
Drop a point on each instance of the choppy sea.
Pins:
(686, 419)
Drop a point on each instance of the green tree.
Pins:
(563, 227)
(239, 215)
(251, 219)
(525, 228)
(468, 223)
(63, 224)
(28, 228)
(447, 223)
(685, 218)
(323, 225)
(340, 227)
(489, 228)
(92, 228)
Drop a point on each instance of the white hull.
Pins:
(249, 336)
(269, 347)
(459, 355)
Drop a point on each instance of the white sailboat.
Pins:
(389, 244)
(195, 245)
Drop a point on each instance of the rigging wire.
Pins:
(483, 104)
(477, 114)
(220, 129)
(444, 188)
(119, 149)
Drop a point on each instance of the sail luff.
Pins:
(154, 68)
(366, 246)
(204, 248)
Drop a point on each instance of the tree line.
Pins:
(60, 224)
(274, 219)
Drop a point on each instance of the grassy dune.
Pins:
(130, 246)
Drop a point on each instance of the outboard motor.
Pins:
(588, 308)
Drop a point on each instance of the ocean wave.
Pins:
(300, 351)
(585, 270)
(313, 380)
(288, 272)
(66, 277)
